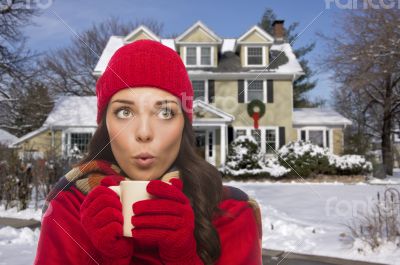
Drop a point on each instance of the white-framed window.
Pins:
(321, 136)
(200, 90)
(205, 55)
(256, 133)
(76, 140)
(264, 135)
(270, 141)
(240, 132)
(191, 56)
(255, 55)
(199, 55)
(255, 89)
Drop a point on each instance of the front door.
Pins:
(200, 142)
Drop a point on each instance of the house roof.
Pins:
(113, 44)
(318, 116)
(283, 60)
(6, 137)
(28, 136)
(73, 111)
(224, 116)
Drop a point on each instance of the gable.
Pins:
(257, 35)
(254, 37)
(142, 32)
(198, 35)
(139, 36)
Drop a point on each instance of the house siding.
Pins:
(277, 113)
(42, 142)
(337, 141)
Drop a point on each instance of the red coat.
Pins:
(63, 240)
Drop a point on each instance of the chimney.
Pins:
(279, 30)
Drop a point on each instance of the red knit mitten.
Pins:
(167, 221)
(101, 218)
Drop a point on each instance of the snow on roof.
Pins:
(73, 111)
(6, 137)
(228, 45)
(28, 136)
(116, 42)
(318, 116)
(293, 64)
(113, 44)
(169, 43)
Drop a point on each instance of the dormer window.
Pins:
(191, 58)
(198, 56)
(205, 55)
(255, 56)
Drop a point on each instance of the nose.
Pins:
(144, 131)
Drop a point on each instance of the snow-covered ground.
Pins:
(18, 246)
(309, 218)
(306, 218)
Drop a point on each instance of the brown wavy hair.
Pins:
(202, 184)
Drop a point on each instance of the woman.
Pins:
(144, 132)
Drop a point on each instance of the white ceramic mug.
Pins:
(131, 191)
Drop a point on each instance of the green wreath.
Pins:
(256, 103)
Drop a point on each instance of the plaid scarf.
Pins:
(89, 175)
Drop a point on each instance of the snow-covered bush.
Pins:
(244, 153)
(305, 159)
(246, 161)
(293, 159)
(350, 164)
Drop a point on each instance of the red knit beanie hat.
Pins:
(145, 63)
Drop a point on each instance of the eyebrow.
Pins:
(158, 103)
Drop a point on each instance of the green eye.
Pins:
(167, 113)
(123, 113)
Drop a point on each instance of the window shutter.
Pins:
(327, 138)
(303, 135)
(241, 91)
(281, 136)
(230, 134)
(270, 91)
(211, 91)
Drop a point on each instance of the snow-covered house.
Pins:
(69, 126)
(227, 75)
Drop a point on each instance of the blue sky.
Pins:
(54, 27)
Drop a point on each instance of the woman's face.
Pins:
(142, 120)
